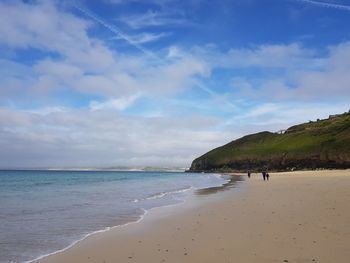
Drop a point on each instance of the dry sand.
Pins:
(295, 217)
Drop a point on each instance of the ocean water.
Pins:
(45, 211)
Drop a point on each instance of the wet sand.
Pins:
(294, 217)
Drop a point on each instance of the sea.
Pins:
(42, 212)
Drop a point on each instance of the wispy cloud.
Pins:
(326, 4)
(85, 64)
(154, 2)
(145, 37)
(306, 76)
(114, 104)
(156, 20)
(153, 19)
(114, 29)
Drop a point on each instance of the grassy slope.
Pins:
(324, 143)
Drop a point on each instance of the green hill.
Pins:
(318, 144)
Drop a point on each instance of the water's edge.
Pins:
(231, 180)
(90, 234)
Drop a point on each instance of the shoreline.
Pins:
(141, 217)
(162, 226)
(87, 236)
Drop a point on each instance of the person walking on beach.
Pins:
(267, 176)
(248, 174)
(264, 175)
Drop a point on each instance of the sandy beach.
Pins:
(293, 217)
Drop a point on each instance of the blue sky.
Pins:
(136, 82)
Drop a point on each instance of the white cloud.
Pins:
(48, 110)
(265, 56)
(156, 2)
(145, 37)
(84, 64)
(153, 19)
(41, 26)
(102, 138)
(113, 104)
(281, 115)
(305, 76)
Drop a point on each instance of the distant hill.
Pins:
(312, 145)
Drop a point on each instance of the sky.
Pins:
(108, 83)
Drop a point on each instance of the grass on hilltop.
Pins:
(321, 141)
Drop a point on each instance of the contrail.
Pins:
(327, 5)
(115, 30)
(214, 94)
(118, 32)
